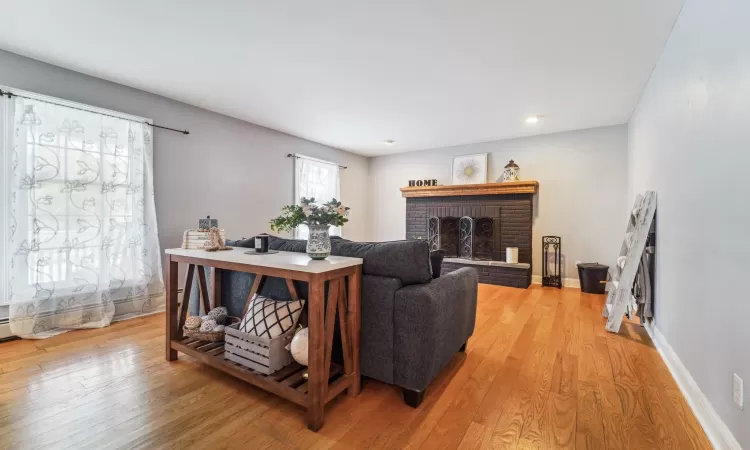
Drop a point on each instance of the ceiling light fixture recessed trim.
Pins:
(531, 120)
(389, 142)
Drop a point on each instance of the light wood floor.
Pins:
(540, 372)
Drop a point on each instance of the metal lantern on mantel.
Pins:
(511, 172)
(551, 261)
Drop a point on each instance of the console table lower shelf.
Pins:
(289, 382)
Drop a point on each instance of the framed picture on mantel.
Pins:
(470, 169)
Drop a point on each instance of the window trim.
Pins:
(85, 106)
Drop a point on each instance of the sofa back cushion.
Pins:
(274, 243)
(409, 261)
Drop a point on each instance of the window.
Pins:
(318, 179)
(80, 247)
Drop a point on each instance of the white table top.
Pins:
(282, 260)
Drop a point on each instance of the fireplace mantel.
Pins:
(509, 187)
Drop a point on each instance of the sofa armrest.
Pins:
(432, 322)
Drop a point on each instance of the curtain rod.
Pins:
(10, 94)
(294, 155)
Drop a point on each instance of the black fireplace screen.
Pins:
(467, 237)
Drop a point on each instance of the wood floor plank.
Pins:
(561, 421)
(613, 422)
(539, 372)
(509, 425)
(589, 427)
(638, 430)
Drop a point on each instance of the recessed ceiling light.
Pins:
(532, 120)
(389, 142)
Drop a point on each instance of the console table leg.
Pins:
(203, 289)
(215, 286)
(355, 325)
(171, 316)
(316, 378)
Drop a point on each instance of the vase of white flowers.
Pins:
(318, 242)
(318, 218)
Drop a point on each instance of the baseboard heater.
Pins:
(5, 334)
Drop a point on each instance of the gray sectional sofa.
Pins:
(412, 324)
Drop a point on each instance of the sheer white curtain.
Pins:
(318, 179)
(81, 242)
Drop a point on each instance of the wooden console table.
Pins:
(325, 379)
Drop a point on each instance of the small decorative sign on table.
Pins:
(208, 223)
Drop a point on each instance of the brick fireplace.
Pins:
(474, 224)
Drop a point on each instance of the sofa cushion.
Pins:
(376, 344)
(242, 242)
(409, 261)
(277, 243)
(287, 245)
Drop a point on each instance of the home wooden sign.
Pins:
(423, 183)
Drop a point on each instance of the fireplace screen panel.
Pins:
(467, 237)
(442, 234)
(465, 240)
(483, 238)
(433, 223)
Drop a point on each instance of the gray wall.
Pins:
(582, 188)
(233, 170)
(690, 142)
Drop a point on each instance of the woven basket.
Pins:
(209, 336)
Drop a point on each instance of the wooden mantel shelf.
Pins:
(509, 187)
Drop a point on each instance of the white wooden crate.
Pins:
(257, 353)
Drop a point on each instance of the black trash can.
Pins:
(593, 277)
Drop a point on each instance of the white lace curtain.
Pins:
(81, 235)
(317, 179)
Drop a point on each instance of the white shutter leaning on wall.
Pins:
(318, 179)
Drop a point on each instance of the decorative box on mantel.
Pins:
(474, 224)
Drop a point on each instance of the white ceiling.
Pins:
(352, 73)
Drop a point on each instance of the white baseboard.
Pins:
(716, 430)
(567, 282)
(5, 330)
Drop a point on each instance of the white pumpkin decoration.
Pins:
(298, 347)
